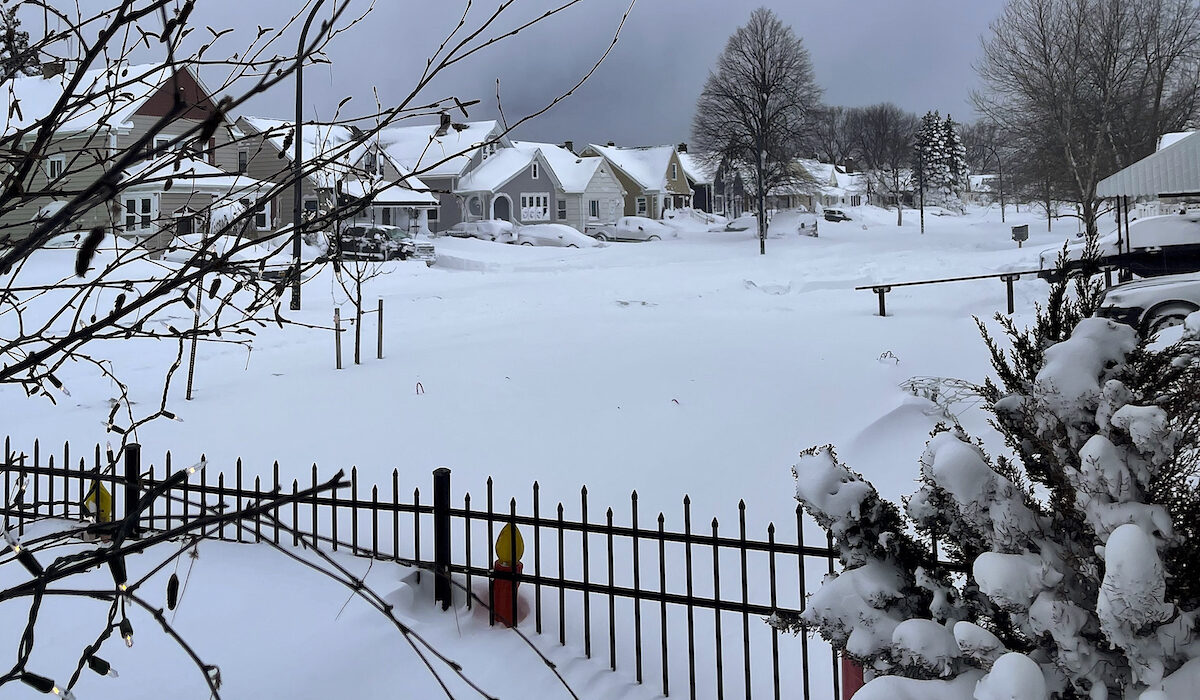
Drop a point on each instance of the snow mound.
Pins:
(1013, 677)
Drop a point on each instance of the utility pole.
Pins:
(297, 164)
(921, 182)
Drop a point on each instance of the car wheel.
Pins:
(654, 238)
(601, 237)
(572, 245)
(1167, 317)
(526, 243)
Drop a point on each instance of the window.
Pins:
(534, 172)
(161, 145)
(55, 166)
(562, 210)
(310, 205)
(243, 161)
(535, 206)
(433, 214)
(138, 213)
(593, 209)
(262, 213)
(386, 217)
(674, 171)
(641, 206)
(370, 162)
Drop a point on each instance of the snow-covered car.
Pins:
(1156, 245)
(745, 222)
(632, 228)
(487, 230)
(835, 215)
(1153, 304)
(553, 235)
(381, 242)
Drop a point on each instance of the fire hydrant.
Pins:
(509, 548)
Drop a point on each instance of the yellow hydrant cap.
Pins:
(505, 544)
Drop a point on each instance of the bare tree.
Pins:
(758, 105)
(1089, 85)
(830, 136)
(881, 138)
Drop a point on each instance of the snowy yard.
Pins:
(687, 366)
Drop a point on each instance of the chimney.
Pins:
(53, 68)
(681, 148)
(569, 145)
(444, 125)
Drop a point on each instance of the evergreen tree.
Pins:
(15, 57)
(956, 157)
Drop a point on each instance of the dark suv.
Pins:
(376, 243)
(836, 215)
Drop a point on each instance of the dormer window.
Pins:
(55, 166)
(674, 171)
(534, 172)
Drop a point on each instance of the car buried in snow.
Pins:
(1153, 246)
(632, 228)
(381, 242)
(835, 215)
(554, 235)
(1150, 305)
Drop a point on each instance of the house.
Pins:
(441, 155)
(834, 186)
(730, 197)
(653, 178)
(513, 184)
(175, 185)
(590, 192)
(699, 177)
(343, 166)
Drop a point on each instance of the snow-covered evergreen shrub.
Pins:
(1077, 552)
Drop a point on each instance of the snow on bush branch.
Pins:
(1075, 574)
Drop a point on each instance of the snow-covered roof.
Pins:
(386, 194)
(695, 169)
(499, 168)
(335, 143)
(1169, 139)
(105, 97)
(647, 166)
(574, 172)
(418, 148)
(189, 175)
(1171, 171)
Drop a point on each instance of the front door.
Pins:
(503, 209)
(185, 225)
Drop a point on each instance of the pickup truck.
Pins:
(1153, 246)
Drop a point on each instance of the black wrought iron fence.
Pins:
(635, 592)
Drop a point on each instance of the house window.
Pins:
(535, 206)
(641, 206)
(562, 210)
(370, 162)
(243, 161)
(262, 213)
(593, 209)
(310, 206)
(534, 172)
(161, 145)
(433, 214)
(674, 171)
(138, 213)
(55, 166)
(386, 217)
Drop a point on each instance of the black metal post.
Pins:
(1008, 283)
(881, 291)
(133, 486)
(441, 536)
(921, 185)
(297, 165)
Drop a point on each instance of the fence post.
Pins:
(133, 483)
(337, 335)
(379, 317)
(441, 536)
(881, 291)
(1008, 283)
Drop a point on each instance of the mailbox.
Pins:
(1020, 233)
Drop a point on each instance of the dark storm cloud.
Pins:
(916, 53)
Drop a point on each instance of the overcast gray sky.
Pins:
(916, 53)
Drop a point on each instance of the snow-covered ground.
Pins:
(687, 366)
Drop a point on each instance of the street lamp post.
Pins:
(297, 165)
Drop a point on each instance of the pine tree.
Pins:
(15, 57)
(1080, 547)
(956, 158)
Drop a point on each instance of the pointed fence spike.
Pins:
(742, 504)
(661, 518)
(714, 523)
(771, 528)
(634, 495)
(687, 500)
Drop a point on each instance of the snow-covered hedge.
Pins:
(1077, 574)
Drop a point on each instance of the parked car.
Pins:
(1157, 245)
(487, 230)
(632, 228)
(745, 222)
(379, 242)
(836, 215)
(553, 235)
(1150, 305)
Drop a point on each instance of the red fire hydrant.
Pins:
(509, 548)
(852, 677)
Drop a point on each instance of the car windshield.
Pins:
(396, 234)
